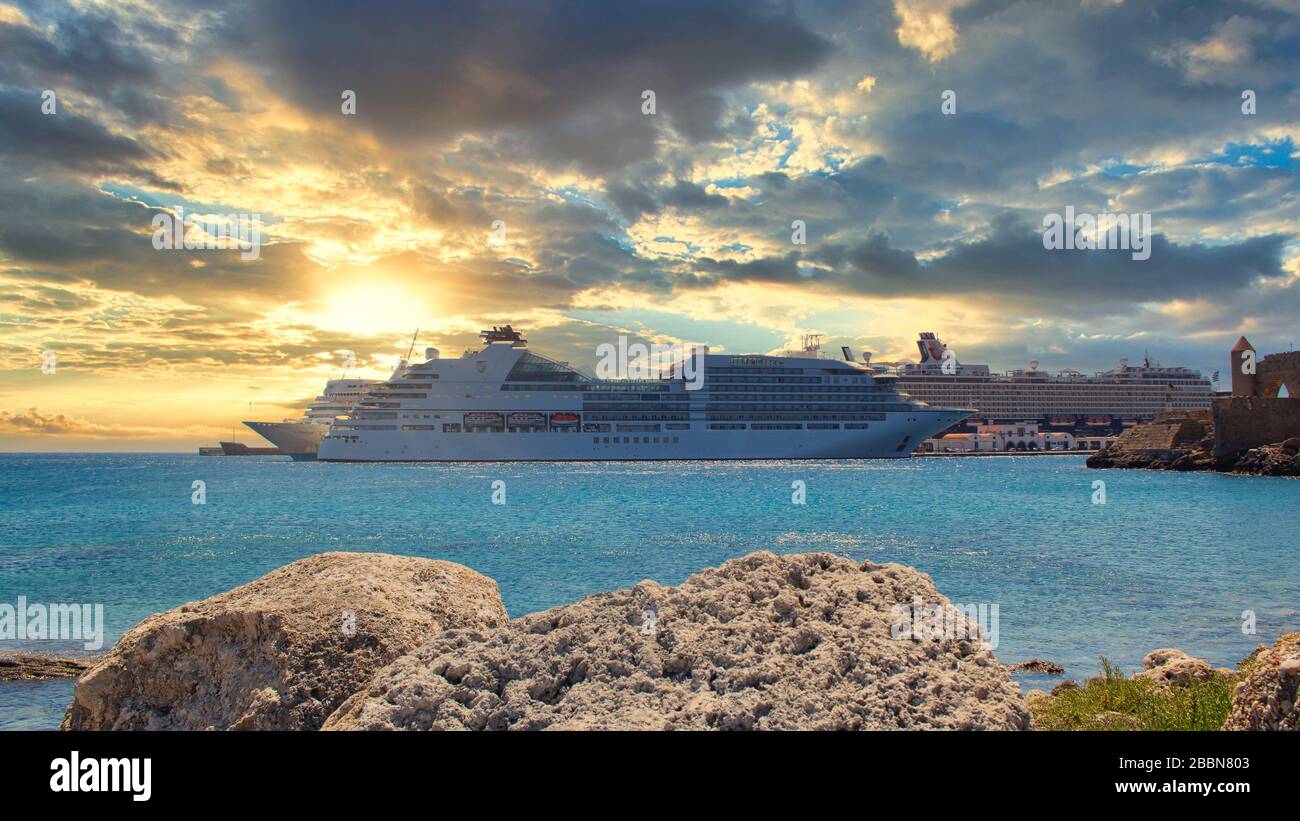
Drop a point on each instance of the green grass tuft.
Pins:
(1113, 702)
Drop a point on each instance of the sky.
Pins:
(501, 164)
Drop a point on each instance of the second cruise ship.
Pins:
(1125, 395)
(508, 403)
(300, 438)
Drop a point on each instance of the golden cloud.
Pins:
(32, 421)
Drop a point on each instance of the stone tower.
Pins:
(1243, 384)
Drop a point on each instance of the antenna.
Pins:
(412, 348)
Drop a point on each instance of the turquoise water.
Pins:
(1170, 559)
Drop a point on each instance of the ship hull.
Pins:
(297, 439)
(893, 438)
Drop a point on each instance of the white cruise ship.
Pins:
(507, 403)
(1111, 398)
(300, 438)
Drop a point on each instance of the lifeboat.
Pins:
(564, 420)
(526, 421)
(484, 419)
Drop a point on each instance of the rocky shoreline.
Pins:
(1187, 443)
(35, 667)
(364, 641)
(1177, 691)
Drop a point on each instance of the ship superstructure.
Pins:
(505, 402)
(1068, 398)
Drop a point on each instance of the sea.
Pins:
(1077, 570)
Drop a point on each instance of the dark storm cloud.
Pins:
(68, 140)
(89, 51)
(769, 269)
(1012, 265)
(564, 75)
(632, 200)
(65, 232)
(1013, 260)
(691, 197)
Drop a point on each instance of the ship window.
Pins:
(674, 440)
(539, 369)
(607, 440)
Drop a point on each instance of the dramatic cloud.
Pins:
(927, 25)
(798, 174)
(33, 421)
(558, 79)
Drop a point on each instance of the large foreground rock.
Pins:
(762, 642)
(281, 652)
(1267, 698)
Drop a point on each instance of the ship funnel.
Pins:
(931, 347)
(430, 353)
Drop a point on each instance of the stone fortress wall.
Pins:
(1276, 370)
(1255, 415)
(1244, 422)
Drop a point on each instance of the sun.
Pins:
(372, 308)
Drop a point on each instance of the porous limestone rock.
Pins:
(281, 652)
(762, 642)
(1267, 698)
(1174, 667)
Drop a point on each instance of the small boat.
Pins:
(240, 449)
(563, 420)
